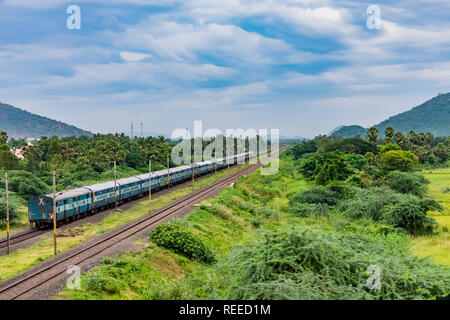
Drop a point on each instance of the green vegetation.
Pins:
(431, 116)
(271, 240)
(181, 240)
(408, 182)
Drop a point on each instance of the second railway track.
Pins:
(17, 287)
(21, 237)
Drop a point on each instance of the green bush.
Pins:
(307, 165)
(256, 223)
(356, 160)
(181, 240)
(369, 203)
(304, 263)
(97, 282)
(266, 212)
(303, 148)
(341, 189)
(316, 195)
(309, 210)
(332, 166)
(26, 184)
(355, 180)
(14, 203)
(398, 160)
(221, 211)
(410, 213)
(408, 182)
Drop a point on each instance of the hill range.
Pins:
(431, 116)
(18, 123)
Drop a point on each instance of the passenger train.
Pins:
(75, 203)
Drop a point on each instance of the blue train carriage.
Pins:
(103, 195)
(70, 204)
(129, 188)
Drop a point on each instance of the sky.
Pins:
(301, 66)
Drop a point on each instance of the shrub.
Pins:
(256, 223)
(307, 165)
(410, 213)
(14, 203)
(303, 148)
(355, 180)
(388, 147)
(26, 184)
(221, 211)
(266, 212)
(96, 282)
(341, 189)
(242, 204)
(181, 240)
(303, 263)
(356, 160)
(308, 210)
(332, 166)
(398, 160)
(407, 182)
(316, 195)
(369, 203)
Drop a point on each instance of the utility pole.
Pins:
(7, 211)
(132, 130)
(115, 186)
(150, 185)
(168, 172)
(193, 176)
(141, 129)
(54, 213)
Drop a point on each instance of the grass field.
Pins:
(439, 187)
(437, 246)
(23, 259)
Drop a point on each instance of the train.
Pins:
(76, 203)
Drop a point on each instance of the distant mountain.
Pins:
(335, 129)
(350, 131)
(432, 116)
(19, 123)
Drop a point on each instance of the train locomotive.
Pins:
(75, 203)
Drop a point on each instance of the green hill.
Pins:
(19, 123)
(432, 116)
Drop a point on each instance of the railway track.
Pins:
(19, 286)
(20, 237)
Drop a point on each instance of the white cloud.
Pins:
(133, 56)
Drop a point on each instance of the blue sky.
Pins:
(302, 66)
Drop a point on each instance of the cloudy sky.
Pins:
(302, 66)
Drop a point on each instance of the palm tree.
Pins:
(389, 133)
(372, 135)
